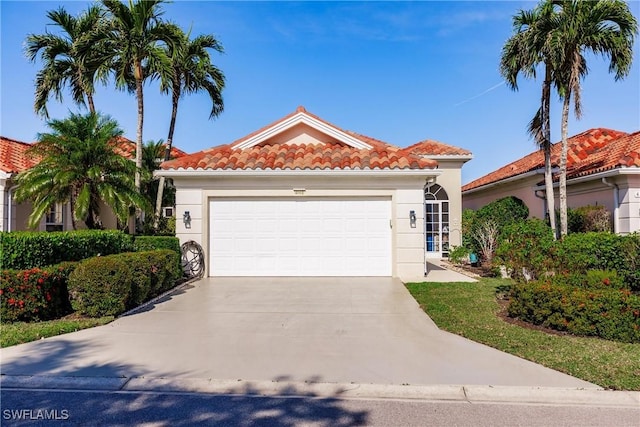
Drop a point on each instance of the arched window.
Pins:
(436, 221)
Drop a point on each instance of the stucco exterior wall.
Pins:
(523, 189)
(629, 211)
(451, 180)
(406, 193)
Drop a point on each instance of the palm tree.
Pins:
(522, 54)
(133, 43)
(62, 63)
(604, 27)
(192, 71)
(79, 165)
(153, 154)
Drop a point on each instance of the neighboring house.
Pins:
(13, 216)
(603, 168)
(302, 197)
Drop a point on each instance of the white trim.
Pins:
(597, 176)
(295, 172)
(505, 181)
(465, 157)
(301, 117)
(5, 175)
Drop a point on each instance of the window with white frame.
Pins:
(54, 220)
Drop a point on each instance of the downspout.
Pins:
(544, 202)
(616, 202)
(9, 204)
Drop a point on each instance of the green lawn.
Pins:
(470, 310)
(21, 332)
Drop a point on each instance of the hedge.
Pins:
(150, 243)
(612, 314)
(112, 284)
(35, 294)
(25, 249)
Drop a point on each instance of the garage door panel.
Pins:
(300, 237)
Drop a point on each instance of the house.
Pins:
(15, 159)
(303, 197)
(603, 168)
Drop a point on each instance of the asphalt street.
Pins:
(109, 408)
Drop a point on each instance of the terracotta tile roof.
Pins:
(303, 156)
(127, 148)
(429, 147)
(589, 152)
(14, 157)
(300, 156)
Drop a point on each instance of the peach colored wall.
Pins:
(522, 189)
(300, 134)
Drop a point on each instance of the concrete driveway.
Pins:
(361, 330)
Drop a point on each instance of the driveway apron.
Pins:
(360, 330)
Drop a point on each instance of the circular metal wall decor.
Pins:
(192, 259)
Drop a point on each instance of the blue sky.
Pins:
(397, 71)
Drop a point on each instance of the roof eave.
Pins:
(460, 157)
(294, 172)
(620, 170)
(304, 118)
(505, 181)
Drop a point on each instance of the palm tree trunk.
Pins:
(138, 180)
(92, 107)
(175, 98)
(546, 125)
(563, 164)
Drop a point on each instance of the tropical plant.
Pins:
(153, 154)
(63, 65)
(192, 72)
(521, 54)
(132, 46)
(79, 165)
(604, 27)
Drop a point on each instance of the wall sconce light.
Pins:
(412, 219)
(186, 218)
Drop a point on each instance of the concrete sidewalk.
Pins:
(451, 393)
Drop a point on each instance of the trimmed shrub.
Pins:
(504, 211)
(112, 284)
(35, 294)
(25, 249)
(150, 243)
(526, 247)
(100, 286)
(612, 314)
(582, 252)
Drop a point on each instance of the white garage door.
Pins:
(300, 237)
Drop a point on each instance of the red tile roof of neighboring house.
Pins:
(330, 155)
(127, 148)
(589, 152)
(436, 148)
(14, 157)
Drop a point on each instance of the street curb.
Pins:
(474, 394)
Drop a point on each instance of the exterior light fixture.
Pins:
(186, 218)
(412, 219)
(299, 191)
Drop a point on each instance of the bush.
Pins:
(110, 285)
(526, 247)
(149, 243)
(499, 214)
(588, 218)
(612, 314)
(101, 286)
(582, 252)
(35, 294)
(25, 250)
(459, 254)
